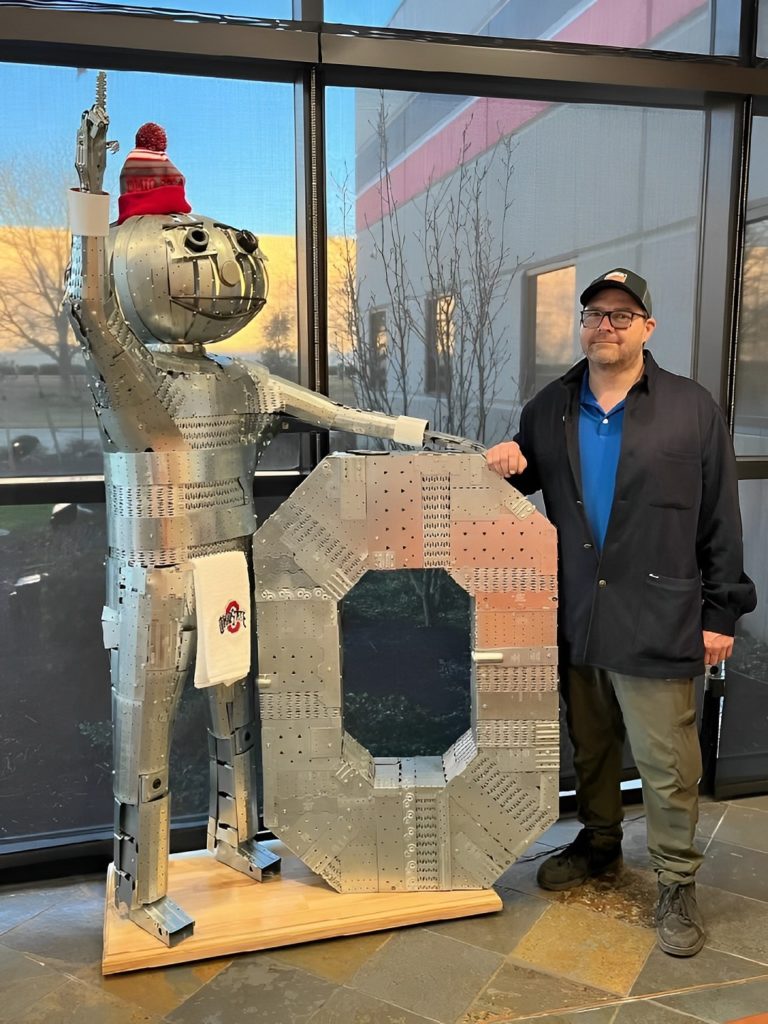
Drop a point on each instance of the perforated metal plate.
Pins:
(450, 822)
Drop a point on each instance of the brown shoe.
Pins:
(679, 924)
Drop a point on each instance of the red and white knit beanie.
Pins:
(149, 181)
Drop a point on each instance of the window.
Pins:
(685, 25)
(551, 344)
(47, 426)
(751, 406)
(379, 344)
(440, 340)
(457, 212)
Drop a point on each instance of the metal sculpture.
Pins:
(454, 821)
(182, 432)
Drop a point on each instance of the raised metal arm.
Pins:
(91, 147)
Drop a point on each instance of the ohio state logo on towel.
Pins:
(232, 619)
(223, 616)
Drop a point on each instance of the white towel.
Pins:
(224, 622)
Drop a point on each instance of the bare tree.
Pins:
(279, 351)
(444, 269)
(450, 256)
(36, 245)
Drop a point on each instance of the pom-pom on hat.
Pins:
(149, 181)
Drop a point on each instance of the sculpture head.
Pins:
(179, 277)
(185, 278)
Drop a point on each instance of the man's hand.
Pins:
(506, 459)
(717, 647)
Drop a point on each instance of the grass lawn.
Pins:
(27, 402)
(23, 517)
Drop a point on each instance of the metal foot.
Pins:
(251, 858)
(164, 919)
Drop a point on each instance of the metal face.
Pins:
(186, 278)
(374, 824)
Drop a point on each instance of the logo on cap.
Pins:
(615, 275)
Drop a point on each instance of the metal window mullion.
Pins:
(747, 27)
(720, 250)
(312, 275)
(208, 45)
(377, 55)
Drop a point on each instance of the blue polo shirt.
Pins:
(599, 449)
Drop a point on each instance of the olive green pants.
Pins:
(659, 716)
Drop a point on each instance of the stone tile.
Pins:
(744, 826)
(499, 932)
(22, 982)
(735, 924)
(722, 1004)
(18, 903)
(522, 875)
(517, 992)
(347, 1006)
(428, 974)
(629, 895)
(160, 990)
(626, 1013)
(710, 815)
(333, 959)
(68, 934)
(587, 947)
(758, 802)
(74, 1002)
(561, 833)
(663, 973)
(18, 906)
(255, 991)
(736, 869)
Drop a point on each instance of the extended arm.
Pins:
(319, 411)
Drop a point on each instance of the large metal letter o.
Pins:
(451, 822)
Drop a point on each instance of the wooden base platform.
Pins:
(234, 914)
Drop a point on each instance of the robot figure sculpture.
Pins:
(182, 431)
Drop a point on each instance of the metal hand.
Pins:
(435, 441)
(91, 148)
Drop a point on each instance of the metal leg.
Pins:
(149, 628)
(234, 817)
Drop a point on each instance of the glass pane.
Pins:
(55, 714)
(55, 732)
(683, 25)
(46, 423)
(743, 754)
(762, 29)
(414, 706)
(751, 421)
(469, 227)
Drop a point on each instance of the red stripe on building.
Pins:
(627, 23)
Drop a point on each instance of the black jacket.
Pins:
(672, 560)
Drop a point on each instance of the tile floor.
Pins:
(583, 957)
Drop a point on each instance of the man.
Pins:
(638, 475)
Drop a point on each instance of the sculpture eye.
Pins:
(247, 241)
(196, 240)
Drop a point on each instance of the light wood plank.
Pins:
(234, 914)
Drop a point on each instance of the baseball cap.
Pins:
(626, 280)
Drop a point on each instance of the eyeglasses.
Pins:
(618, 318)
